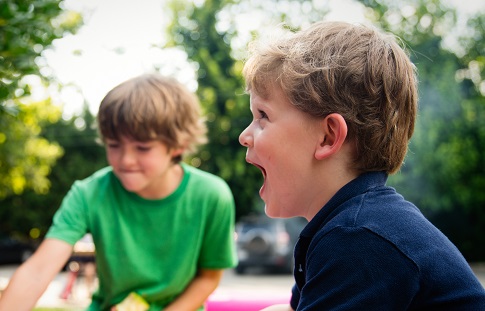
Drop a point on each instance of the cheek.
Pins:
(154, 161)
(278, 149)
(110, 157)
(285, 161)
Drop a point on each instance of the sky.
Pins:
(90, 61)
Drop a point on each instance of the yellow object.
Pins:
(133, 302)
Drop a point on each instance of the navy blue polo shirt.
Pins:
(369, 249)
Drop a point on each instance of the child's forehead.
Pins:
(258, 102)
(256, 99)
(123, 138)
(272, 98)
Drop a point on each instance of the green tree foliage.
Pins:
(82, 156)
(27, 27)
(444, 173)
(221, 92)
(26, 158)
(206, 32)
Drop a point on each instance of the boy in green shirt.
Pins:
(162, 229)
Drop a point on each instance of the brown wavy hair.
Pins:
(354, 70)
(153, 107)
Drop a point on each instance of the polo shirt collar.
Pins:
(359, 185)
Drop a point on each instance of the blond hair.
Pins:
(153, 107)
(353, 70)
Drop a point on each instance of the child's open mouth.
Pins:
(258, 166)
(261, 168)
(263, 171)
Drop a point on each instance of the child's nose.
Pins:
(246, 138)
(127, 158)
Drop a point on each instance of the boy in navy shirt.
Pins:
(334, 108)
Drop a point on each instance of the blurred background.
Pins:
(59, 58)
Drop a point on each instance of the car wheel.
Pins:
(259, 241)
(25, 255)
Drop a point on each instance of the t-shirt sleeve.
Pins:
(69, 223)
(218, 246)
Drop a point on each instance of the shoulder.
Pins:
(380, 209)
(386, 212)
(378, 216)
(205, 179)
(383, 217)
(95, 183)
(206, 187)
(102, 176)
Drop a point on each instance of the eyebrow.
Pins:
(261, 102)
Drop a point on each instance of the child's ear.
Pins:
(334, 132)
(175, 152)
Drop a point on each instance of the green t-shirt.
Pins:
(151, 247)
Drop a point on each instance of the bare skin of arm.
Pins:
(31, 279)
(197, 292)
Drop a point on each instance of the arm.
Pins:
(34, 275)
(197, 292)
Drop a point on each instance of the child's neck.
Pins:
(168, 184)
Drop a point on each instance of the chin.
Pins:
(271, 212)
(130, 188)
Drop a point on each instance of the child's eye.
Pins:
(143, 148)
(112, 145)
(262, 114)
